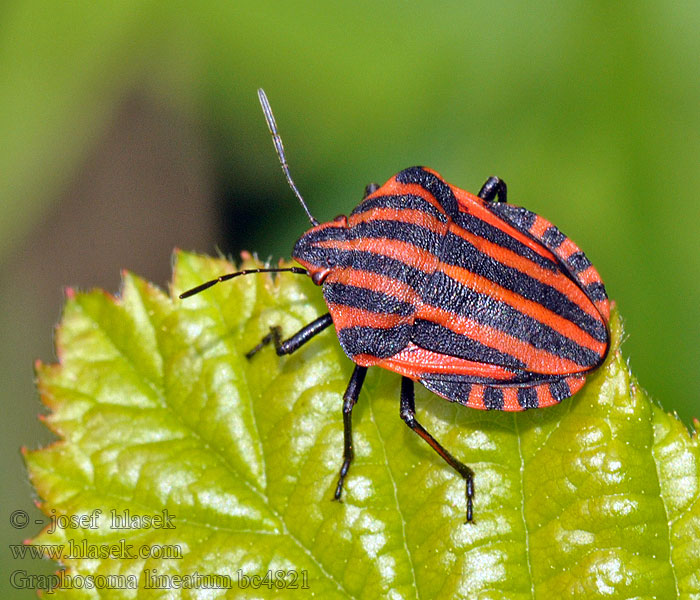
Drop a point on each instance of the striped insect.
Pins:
(484, 303)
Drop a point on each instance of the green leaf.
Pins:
(157, 409)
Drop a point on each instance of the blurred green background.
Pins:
(129, 128)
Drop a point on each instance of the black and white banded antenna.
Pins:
(207, 284)
(279, 148)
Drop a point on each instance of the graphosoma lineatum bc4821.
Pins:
(486, 304)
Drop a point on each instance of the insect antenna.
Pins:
(279, 147)
(206, 285)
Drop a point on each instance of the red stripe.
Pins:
(376, 282)
(539, 227)
(403, 215)
(476, 397)
(414, 362)
(349, 316)
(395, 187)
(575, 383)
(544, 396)
(510, 399)
(590, 275)
(566, 249)
(402, 251)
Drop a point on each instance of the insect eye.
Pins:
(319, 276)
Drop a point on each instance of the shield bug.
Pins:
(484, 303)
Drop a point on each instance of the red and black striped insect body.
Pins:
(484, 303)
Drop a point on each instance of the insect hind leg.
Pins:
(408, 414)
(494, 187)
(293, 343)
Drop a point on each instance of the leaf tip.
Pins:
(69, 292)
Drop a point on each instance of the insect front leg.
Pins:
(294, 342)
(349, 400)
(408, 414)
(492, 188)
(370, 188)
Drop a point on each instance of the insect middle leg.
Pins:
(294, 342)
(349, 400)
(408, 414)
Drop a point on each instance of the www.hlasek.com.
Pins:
(83, 550)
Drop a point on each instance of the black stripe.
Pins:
(435, 337)
(520, 379)
(446, 293)
(578, 262)
(387, 266)
(433, 185)
(596, 291)
(419, 236)
(522, 218)
(321, 235)
(493, 398)
(306, 249)
(527, 397)
(455, 390)
(326, 257)
(378, 342)
(553, 238)
(403, 201)
(366, 299)
(559, 390)
(458, 251)
(497, 236)
(369, 261)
